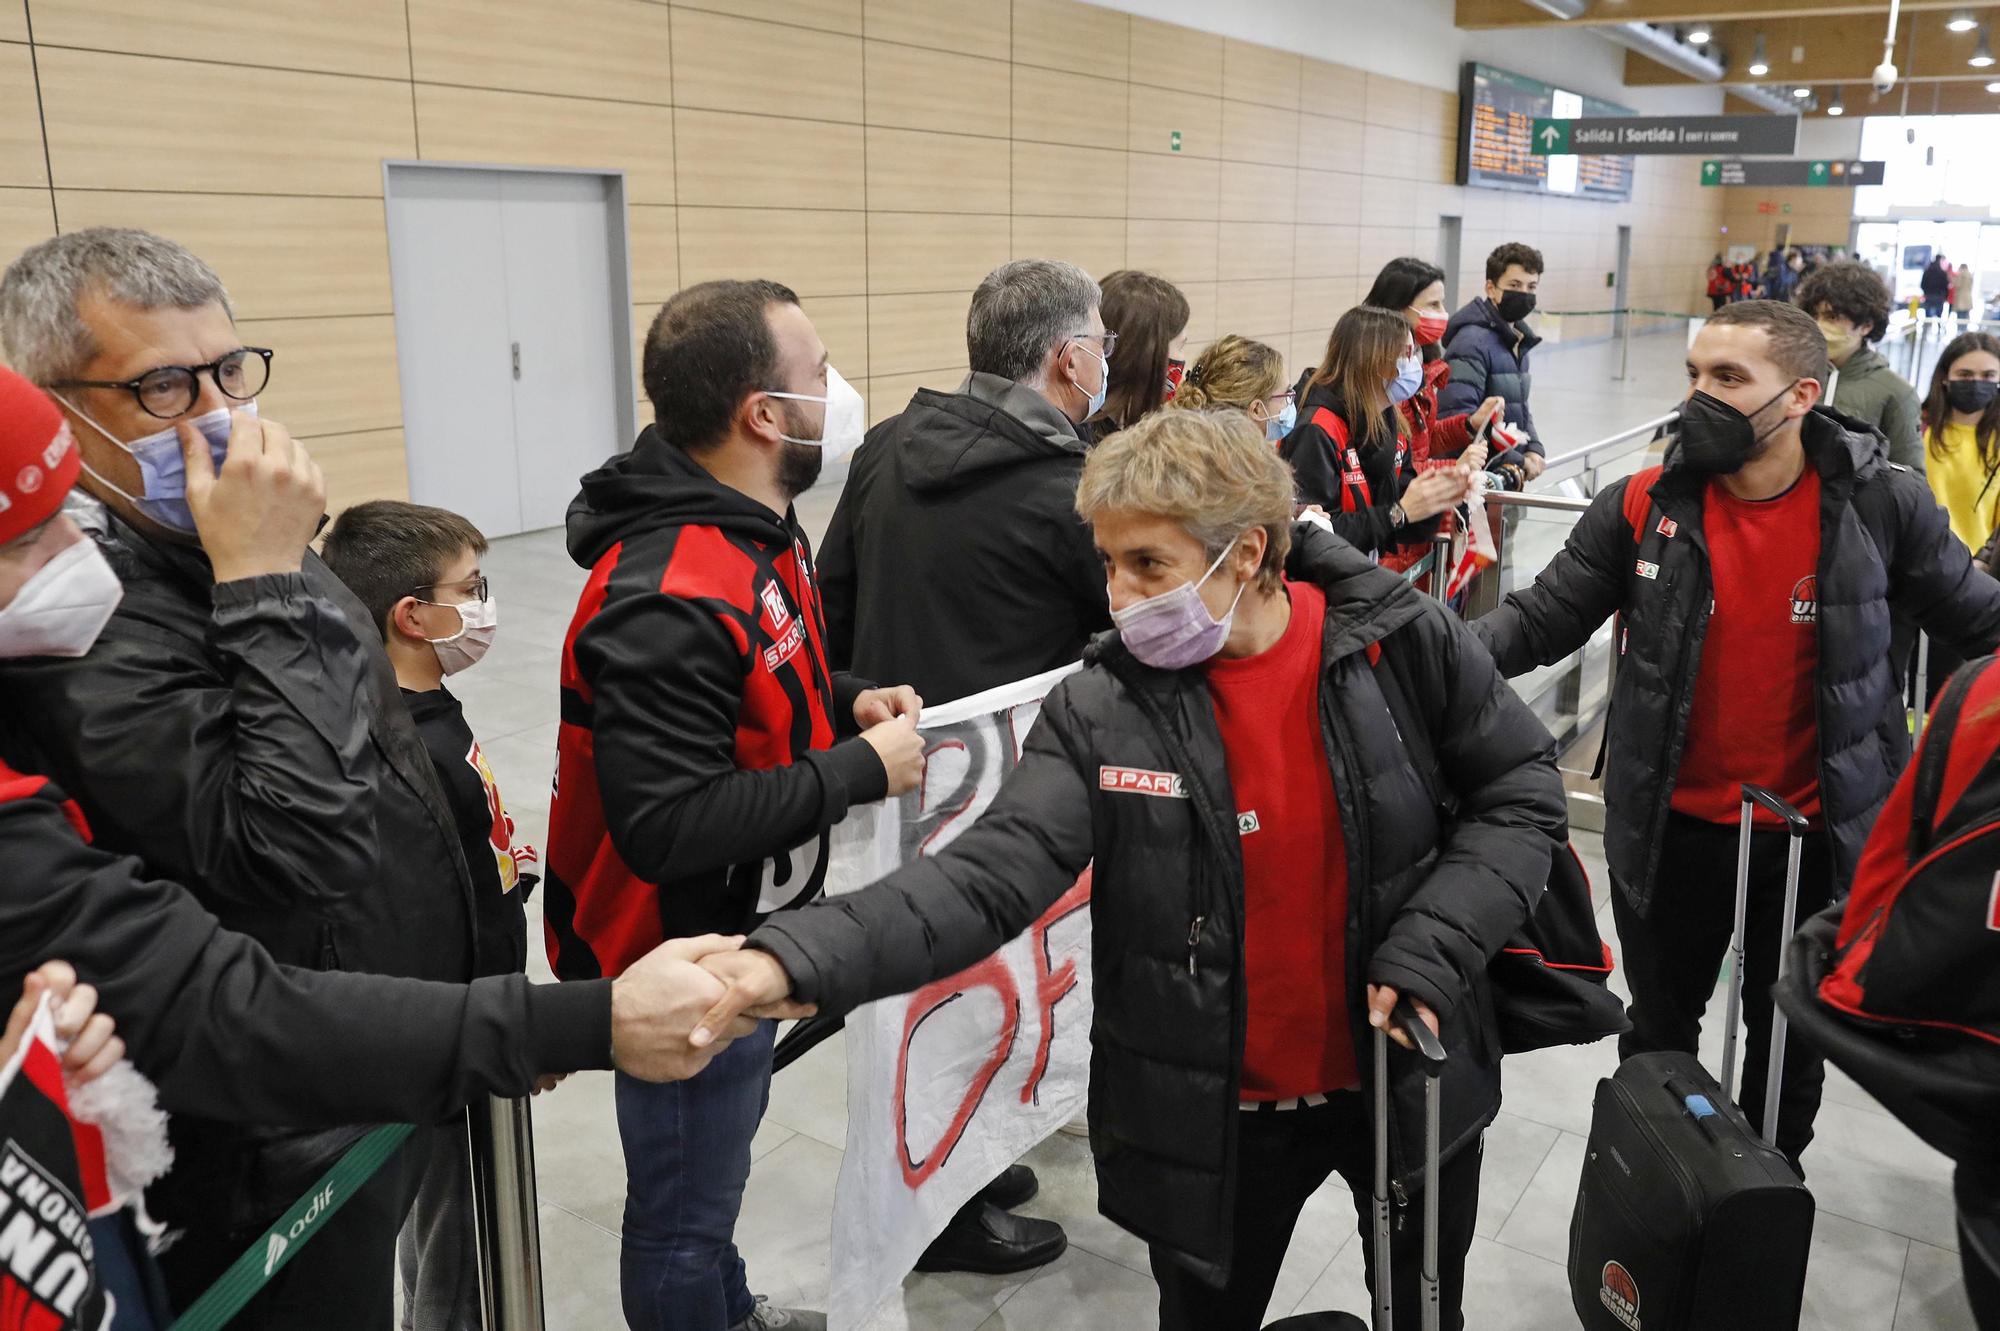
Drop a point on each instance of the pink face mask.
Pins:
(1173, 630)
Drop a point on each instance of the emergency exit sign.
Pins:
(1830, 173)
(1686, 136)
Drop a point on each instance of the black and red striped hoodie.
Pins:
(705, 748)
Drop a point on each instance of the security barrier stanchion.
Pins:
(1440, 563)
(503, 1190)
(1923, 682)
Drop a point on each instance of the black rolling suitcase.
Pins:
(1431, 1051)
(1685, 1220)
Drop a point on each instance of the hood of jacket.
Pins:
(948, 440)
(656, 486)
(1365, 602)
(1483, 313)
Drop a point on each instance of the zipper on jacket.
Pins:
(329, 954)
(1194, 938)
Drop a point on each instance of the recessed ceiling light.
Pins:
(1700, 35)
(1982, 56)
(1962, 22)
(1802, 92)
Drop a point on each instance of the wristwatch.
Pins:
(1397, 517)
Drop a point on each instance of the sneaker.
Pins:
(765, 1317)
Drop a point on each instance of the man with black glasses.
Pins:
(236, 725)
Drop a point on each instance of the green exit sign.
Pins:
(1174, 140)
(1551, 137)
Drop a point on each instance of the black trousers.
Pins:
(343, 1280)
(1978, 1197)
(1673, 955)
(1281, 1159)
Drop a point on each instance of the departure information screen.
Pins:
(1496, 115)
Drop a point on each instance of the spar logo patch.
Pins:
(786, 647)
(1668, 527)
(1246, 822)
(1619, 1293)
(1993, 906)
(1805, 600)
(1646, 568)
(1142, 781)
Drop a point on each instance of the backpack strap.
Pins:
(1936, 754)
(1638, 505)
(1355, 493)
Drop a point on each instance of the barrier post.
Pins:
(503, 1193)
(1624, 342)
(1440, 562)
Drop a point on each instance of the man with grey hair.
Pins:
(236, 724)
(956, 561)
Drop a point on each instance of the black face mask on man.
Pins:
(1515, 306)
(1718, 439)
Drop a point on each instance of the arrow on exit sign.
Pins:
(1816, 174)
(1552, 138)
(1711, 172)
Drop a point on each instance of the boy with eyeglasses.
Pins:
(416, 569)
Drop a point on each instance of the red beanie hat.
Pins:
(38, 458)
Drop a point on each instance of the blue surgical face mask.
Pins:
(1409, 378)
(1281, 424)
(162, 470)
(1103, 383)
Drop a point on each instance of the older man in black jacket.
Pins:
(1754, 576)
(237, 725)
(1272, 867)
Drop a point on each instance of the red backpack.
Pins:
(1899, 985)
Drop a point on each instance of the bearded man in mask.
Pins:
(1755, 574)
(705, 747)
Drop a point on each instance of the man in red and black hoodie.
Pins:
(706, 748)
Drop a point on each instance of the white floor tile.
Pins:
(1854, 1275)
(1933, 1292)
(1540, 1222)
(1080, 1290)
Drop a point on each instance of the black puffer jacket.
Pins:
(1489, 358)
(955, 560)
(1884, 545)
(1432, 894)
(1356, 483)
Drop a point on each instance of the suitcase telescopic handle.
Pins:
(1795, 822)
(1430, 1050)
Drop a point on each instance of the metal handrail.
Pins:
(1583, 454)
(1517, 499)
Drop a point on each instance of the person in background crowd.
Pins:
(1850, 302)
(1936, 287)
(706, 749)
(1272, 670)
(977, 489)
(1961, 415)
(1350, 444)
(1755, 575)
(236, 724)
(220, 1029)
(1964, 296)
(1234, 371)
(1487, 346)
(416, 569)
(1150, 316)
(977, 485)
(1718, 284)
(1416, 288)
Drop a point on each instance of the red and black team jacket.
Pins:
(1356, 483)
(700, 759)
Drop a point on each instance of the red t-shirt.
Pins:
(1753, 717)
(1294, 861)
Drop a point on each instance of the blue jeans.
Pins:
(687, 1160)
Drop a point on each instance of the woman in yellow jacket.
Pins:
(1962, 436)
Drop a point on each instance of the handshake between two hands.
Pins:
(682, 1003)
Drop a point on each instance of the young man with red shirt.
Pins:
(1754, 575)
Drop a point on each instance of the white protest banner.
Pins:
(948, 1086)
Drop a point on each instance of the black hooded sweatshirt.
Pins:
(699, 762)
(956, 561)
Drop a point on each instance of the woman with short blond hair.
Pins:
(1270, 871)
(1249, 376)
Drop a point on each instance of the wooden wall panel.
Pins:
(530, 129)
(616, 49)
(906, 148)
(21, 159)
(281, 257)
(361, 37)
(136, 122)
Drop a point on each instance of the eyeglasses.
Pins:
(172, 390)
(1108, 338)
(1289, 395)
(477, 586)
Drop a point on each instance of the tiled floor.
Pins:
(1884, 1251)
